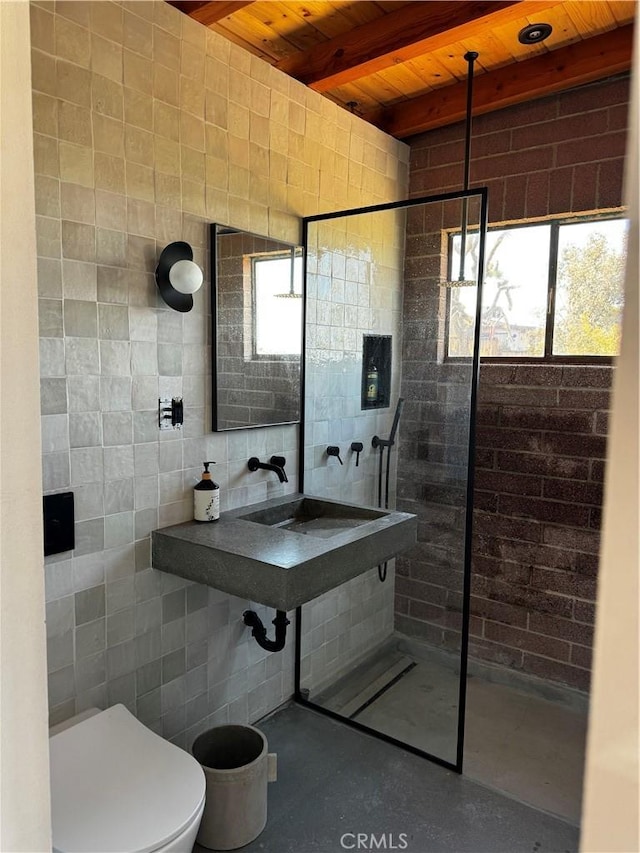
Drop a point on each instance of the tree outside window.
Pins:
(550, 290)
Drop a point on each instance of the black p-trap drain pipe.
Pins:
(251, 618)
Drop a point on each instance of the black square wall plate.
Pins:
(59, 534)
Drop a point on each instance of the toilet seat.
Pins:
(117, 786)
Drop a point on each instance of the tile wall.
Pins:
(355, 282)
(148, 127)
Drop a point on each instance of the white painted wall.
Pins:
(24, 755)
(611, 819)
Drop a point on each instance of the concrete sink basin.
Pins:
(314, 517)
(285, 551)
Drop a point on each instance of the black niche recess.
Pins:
(376, 371)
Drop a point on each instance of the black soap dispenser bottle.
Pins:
(206, 497)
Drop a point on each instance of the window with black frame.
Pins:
(552, 291)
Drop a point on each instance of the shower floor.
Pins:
(523, 737)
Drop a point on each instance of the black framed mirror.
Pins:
(256, 310)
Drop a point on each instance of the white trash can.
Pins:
(237, 768)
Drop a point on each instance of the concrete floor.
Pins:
(335, 782)
(522, 736)
(528, 747)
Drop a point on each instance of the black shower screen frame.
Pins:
(300, 696)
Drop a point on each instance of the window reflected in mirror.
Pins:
(278, 314)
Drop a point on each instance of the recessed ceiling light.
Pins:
(534, 33)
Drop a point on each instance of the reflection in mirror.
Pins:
(257, 329)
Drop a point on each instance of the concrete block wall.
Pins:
(556, 155)
(432, 457)
(541, 438)
(541, 445)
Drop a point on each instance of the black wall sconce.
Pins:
(178, 277)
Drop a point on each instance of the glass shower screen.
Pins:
(389, 655)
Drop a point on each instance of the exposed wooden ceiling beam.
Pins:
(411, 31)
(208, 13)
(565, 68)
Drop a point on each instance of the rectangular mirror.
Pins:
(256, 308)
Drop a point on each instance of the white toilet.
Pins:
(116, 787)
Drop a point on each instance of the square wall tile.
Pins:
(55, 471)
(169, 360)
(50, 318)
(146, 462)
(90, 671)
(79, 280)
(53, 396)
(89, 503)
(82, 356)
(144, 358)
(117, 428)
(90, 638)
(83, 393)
(55, 433)
(89, 605)
(80, 318)
(113, 284)
(50, 278)
(111, 247)
(118, 529)
(86, 465)
(145, 426)
(115, 393)
(118, 463)
(120, 594)
(146, 520)
(118, 496)
(52, 357)
(115, 358)
(120, 626)
(113, 322)
(144, 393)
(89, 536)
(85, 429)
(106, 57)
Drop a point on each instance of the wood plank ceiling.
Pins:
(400, 65)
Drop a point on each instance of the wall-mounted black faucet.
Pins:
(357, 447)
(275, 464)
(332, 450)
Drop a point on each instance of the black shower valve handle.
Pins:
(357, 447)
(332, 450)
(377, 442)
